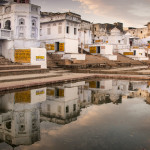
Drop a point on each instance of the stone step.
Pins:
(23, 71)
(15, 67)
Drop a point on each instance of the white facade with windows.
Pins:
(118, 40)
(85, 33)
(59, 33)
(20, 27)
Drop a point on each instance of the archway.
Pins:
(8, 25)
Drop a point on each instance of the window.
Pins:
(22, 1)
(33, 23)
(67, 109)
(48, 31)
(59, 29)
(40, 32)
(67, 30)
(8, 25)
(74, 107)
(8, 125)
(75, 31)
(21, 21)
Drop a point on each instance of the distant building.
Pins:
(104, 29)
(139, 32)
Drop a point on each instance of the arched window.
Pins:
(21, 21)
(33, 23)
(7, 25)
(8, 125)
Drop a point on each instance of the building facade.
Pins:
(20, 31)
(59, 32)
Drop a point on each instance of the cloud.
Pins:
(131, 12)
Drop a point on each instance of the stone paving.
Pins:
(128, 68)
(16, 82)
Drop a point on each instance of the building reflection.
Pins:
(20, 117)
(22, 112)
(141, 89)
(62, 105)
(108, 91)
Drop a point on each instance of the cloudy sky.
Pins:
(130, 12)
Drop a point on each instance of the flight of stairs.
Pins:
(54, 61)
(8, 68)
(84, 51)
(99, 59)
(4, 61)
(124, 60)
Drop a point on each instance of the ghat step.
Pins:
(22, 71)
(15, 67)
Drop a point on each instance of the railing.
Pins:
(118, 47)
(5, 34)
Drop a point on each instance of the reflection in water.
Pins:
(22, 112)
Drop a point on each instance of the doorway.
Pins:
(98, 50)
(134, 52)
(130, 43)
(57, 46)
(7, 25)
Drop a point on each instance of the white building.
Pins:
(20, 126)
(62, 105)
(136, 53)
(85, 34)
(107, 91)
(105, 50)
(20, 32)
(118, 40)
(59, 34)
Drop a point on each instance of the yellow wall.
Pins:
(93, 49)
(23, 55)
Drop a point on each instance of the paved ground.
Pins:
(24, 81)
(128, 68)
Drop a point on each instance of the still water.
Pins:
(86, 115)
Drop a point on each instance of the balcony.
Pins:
(5, 34)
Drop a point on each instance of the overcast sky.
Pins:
(130, 12)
